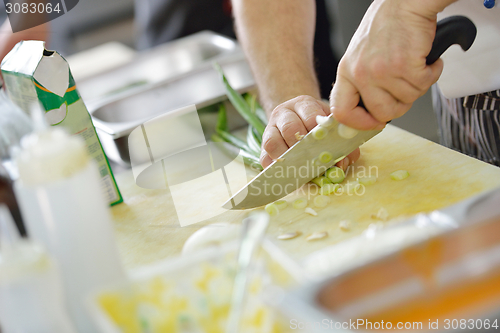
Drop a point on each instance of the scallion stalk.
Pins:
(241, 104)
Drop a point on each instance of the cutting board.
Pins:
(147, 229)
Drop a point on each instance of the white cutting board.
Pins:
(477, 70)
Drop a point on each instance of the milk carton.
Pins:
(33, 74)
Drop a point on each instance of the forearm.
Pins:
(278, 37)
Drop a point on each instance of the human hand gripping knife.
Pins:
(300, 163)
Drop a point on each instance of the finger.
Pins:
(350, 159)
(344, 99)
(265, 160)
(402, 90)
(382, 105)
(273, 143)
(425, 78)
(308, 109)
(288, 124)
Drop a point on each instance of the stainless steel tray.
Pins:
(116, 115)
(158, 64)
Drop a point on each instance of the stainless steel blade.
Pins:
(297, 166)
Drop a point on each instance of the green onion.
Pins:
(255, 107)
(321, 201)
(367, 180)
(281, 204)
(240, 104)
(347, 132)
(325, 157)
(400, 174)
(321, 181)
(329, 189)
(299, 203)
(272, 210)
(324, 121)
(222, 119)
(319, 132)
(335, 174)
(252, 142)
(248, 158)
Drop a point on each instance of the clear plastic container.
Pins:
(192, 294)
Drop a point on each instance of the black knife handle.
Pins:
(451, 30)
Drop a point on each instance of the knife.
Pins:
(300, 163)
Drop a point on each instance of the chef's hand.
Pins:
(385, 63)
(297, 115)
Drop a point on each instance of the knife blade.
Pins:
(298, 164)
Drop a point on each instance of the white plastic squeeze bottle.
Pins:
(31, 292)
(64, 208)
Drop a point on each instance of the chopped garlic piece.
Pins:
(289, 235)
(316, 236)
(311, 211)
(280, 159)
(345, 225)
(347, 132)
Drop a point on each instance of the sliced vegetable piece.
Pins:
(321, 181)
(381, 215)
(325, 157)
(335, 174)
(272, 209)
(345, 225)
(300, 203)
(367, 180)
(347, 132)
(316, 236)
(400, 174)
(324, 121)
(351, 187)
(299, 136)
(289, 235)
(319, 132)
(329, 189)
(310, 211)
(281, 204)
(321, 201)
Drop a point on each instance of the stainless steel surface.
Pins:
(193, 81)
(157, 65)
(296, 167)
(464, 255)
(254, 228)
